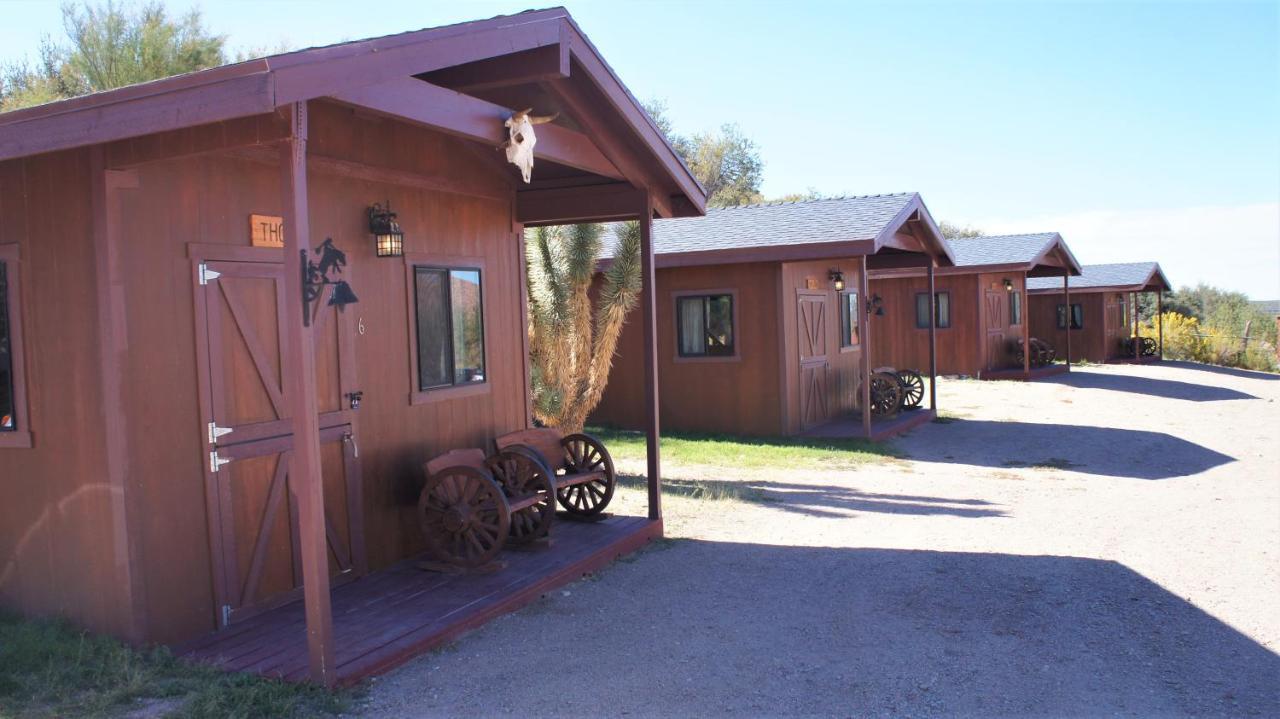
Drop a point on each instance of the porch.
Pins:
(882, 428)
(385, 619)
(1019, 374)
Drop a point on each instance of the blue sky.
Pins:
(1139, 130)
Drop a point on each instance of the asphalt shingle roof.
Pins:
(777, 224)
(1000, 249)
(1123, 274)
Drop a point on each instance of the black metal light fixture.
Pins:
(837, 279)
(1008, 285)
(316, 275)
(388, 239)
(875, 306)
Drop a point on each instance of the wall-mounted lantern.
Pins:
(388, 239)
(875, 306)
(1008, 285)
(837, 279)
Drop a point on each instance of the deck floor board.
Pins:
(388, 617)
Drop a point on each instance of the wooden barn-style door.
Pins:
(1117, 329)
(253, 515)
(996, 313)
(815, 365)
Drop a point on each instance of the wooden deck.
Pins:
(881, 429)
(1017, 373)
(391, 616)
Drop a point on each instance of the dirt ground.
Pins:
(1101, 543)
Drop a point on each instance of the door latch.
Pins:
(215, 432)
(216, 463)
(354, 398)
(355, 448)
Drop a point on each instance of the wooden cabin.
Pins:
(762, 315)
(980, 305)
(1098, 308)
(198, 432)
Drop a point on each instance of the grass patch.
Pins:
(1050, 463)
(707, 489)
(945, 417)
(49, 668)
(748, 452)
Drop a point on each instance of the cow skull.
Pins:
(520, 139)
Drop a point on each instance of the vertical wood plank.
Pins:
(648, 295)
(865, 321)
(300, 391)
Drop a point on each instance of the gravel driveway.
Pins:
(1100, 543)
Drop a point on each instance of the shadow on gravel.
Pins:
(1107, 451)
(1230, 371)
(1167, 388)
(721, 628)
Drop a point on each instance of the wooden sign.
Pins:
(810, 283)
(266, 230)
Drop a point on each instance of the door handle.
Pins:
(355, 448)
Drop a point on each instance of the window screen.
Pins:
(450, 327)
(705, 326)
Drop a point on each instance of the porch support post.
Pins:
(649, 303)
(865, 322)
(933, 342)
(300, 393)
(1026, 332)
(1137, 346)
(1066, 294)
(1160, 320)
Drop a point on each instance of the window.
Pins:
(849, 319)
(1077, 316)
(450, 324)
(704, 325)
(942, 306)
(1015, 308)
(8, 410)
(15, 430)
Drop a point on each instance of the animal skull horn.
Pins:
(521, 139)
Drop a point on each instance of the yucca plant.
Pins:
(572, 341)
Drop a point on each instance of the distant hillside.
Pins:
(1271, 307)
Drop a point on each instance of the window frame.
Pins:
(937, 312)
(413, 261)
(21, 437)
(1064, 322)
(858, 312)
(735, 310)
(1015, 300)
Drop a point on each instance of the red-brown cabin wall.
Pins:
(900, 344)
(63, 550)
(1090, 343)
(731, 395)
(207, 199)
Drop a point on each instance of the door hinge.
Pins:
(226, 614)
(215, 432)
(207, 275)
(216, 462)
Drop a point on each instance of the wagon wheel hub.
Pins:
(458, 517)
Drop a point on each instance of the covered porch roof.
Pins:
(1043, 254)
(462, 79)
(891, 230)
(1117, 277)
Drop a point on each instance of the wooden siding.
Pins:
(1094, 342)
(737, 395)
(897, 342)
(63, 545)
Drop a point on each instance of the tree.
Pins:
(808, 195)
(725, 161)
(956, 232)
(572, 343)
(109, 46)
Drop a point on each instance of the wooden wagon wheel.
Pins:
(886, 394)
(912, 385)
(464, 516)
(582, 454)
(1149, 347)
(525, 478)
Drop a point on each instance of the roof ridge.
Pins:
(776, 203)
(1000, 237)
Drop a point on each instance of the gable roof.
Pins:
(1120, 277)
(399, 71)
(786, 231)
(1004, 250)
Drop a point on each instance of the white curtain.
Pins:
(693, 329)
